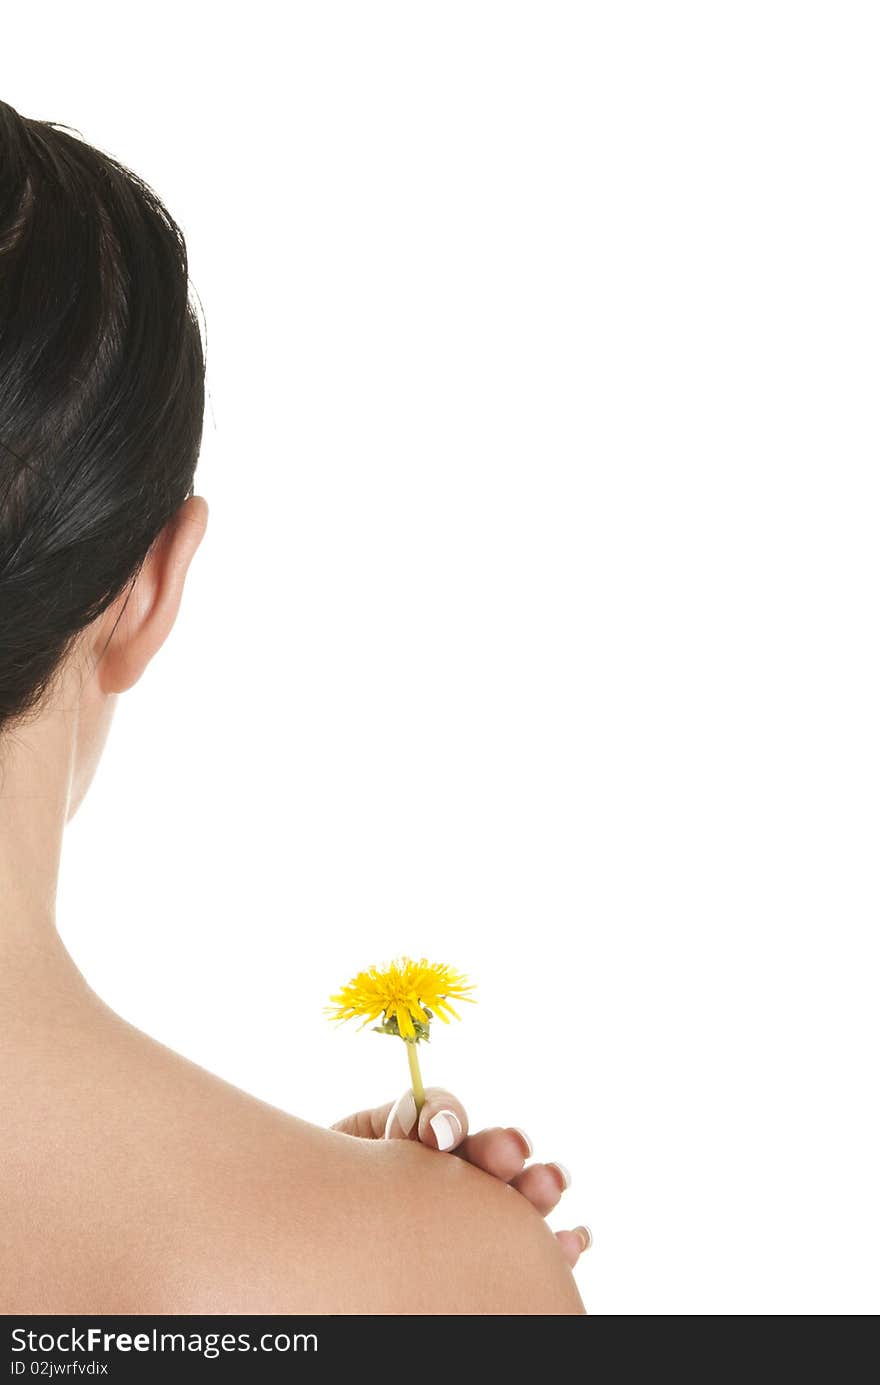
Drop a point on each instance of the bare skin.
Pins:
(132, 1181)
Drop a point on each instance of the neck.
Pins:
(36, 777)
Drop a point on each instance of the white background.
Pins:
(535, 628)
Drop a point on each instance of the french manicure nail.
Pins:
(563, 1173)
(404, 1112)
(585, 1234)
(446, 1127)
(525, 1139)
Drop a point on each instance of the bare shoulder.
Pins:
(132, 1181)
(367, 1227)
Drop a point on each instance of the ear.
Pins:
(139, 621)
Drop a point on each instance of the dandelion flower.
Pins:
(407, 995)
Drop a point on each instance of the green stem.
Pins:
(415, 1072)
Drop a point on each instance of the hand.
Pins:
(501, 1151)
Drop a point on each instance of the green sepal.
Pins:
(422, 1034)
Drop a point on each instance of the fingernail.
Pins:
(525, 1139)
(404, 1111)
(446, 1127)
(586, 1236)
(563, 1173)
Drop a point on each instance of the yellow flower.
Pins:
(407, 993)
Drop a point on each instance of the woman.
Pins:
(132, 1181)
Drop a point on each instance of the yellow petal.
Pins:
(404, 1022)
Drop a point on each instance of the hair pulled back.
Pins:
(101, 392)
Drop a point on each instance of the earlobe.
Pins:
(141, 619)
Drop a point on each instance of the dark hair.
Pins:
(102, 392)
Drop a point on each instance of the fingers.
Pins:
(500, 1151)
(574, 1243)
(543, 1185)
(441, 1124)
